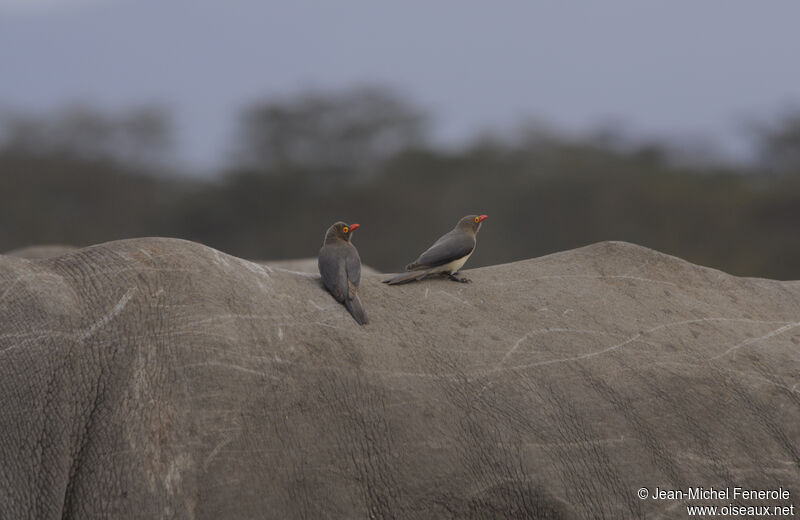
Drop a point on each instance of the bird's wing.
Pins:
(353, 304)
(406, 277)
(452, 246)
(353, 265)
(332, 268)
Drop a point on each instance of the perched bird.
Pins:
(447, 255)
(340, 268)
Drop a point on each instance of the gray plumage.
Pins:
(340, 268)
(447, 255)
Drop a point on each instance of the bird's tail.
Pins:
(356, 309)
(406, 277)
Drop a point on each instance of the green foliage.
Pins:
(140, 136)
(327, 132)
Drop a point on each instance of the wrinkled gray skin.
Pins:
(158, 378)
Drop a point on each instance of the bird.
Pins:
(447, 255)
(340, 268)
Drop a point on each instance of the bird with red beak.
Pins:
(447, 255)
(340, 268)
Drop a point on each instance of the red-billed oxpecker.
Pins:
(340, 268)
(447, 255)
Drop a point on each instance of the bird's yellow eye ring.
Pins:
(477, 219)
(346, 229)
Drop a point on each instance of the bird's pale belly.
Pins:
(453, 266)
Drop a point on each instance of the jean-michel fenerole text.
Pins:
(726, 493)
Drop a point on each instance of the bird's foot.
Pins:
(462, 279)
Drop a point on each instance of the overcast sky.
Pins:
(678, 68)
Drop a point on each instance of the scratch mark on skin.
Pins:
(637, 268)
(102, 322)
(36, 334)
(587, 276)
(426, 375)
(280, 333)
(145, 252)
(426, 292)
(26, 277)
(321, 324)
(232, 367)
(544, 331)
(41, 334)
(222, 317)
(219, 259)
(609, 276)
(454, 297)
(513, 349)
(595, 442)
(221, 444)
(191, 328)
(254, 267)
(538, 332)
(631, 339)
(206, 334)
(298, 273)
(316, 305)
(110, 273)
(326, 325)
(750, 341)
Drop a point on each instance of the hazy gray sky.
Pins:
(678, 68)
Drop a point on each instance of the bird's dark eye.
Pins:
(346, 229)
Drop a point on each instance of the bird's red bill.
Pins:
(482, 218)
(353, 227)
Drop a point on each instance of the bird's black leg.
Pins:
(462, 279)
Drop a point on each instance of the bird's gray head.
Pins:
(340, 230)
(471, 222)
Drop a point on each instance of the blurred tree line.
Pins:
(364, 155)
